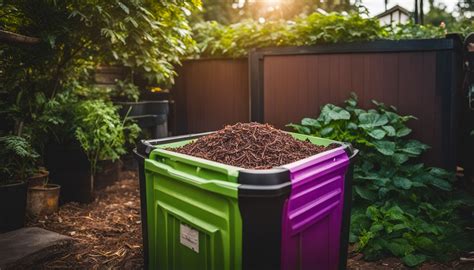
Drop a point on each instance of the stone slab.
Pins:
(27, 247)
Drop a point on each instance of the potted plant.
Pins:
(18, 161)
(42, 198)
(102, 134)
(84, 147)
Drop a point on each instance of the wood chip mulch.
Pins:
(251, 146)
(108, 230)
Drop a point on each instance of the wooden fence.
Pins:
(419, 77)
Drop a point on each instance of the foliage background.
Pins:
(37, 81)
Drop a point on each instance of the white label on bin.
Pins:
(189, 237)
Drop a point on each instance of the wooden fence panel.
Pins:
(419, 77)
(209, 94)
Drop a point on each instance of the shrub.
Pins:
(214, 39)
(17, 158)
(401, 207)
(101, 132)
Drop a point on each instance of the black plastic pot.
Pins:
(12, 206)
(108, 173)
(69, 167)
(152, 115)
(152, 107)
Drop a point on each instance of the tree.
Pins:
(232, 11)
(438, 14)
(77, 35)
(465, 7)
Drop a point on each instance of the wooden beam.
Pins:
(13, 38)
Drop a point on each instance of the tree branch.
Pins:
(13, 38)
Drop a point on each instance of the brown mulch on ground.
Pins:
(108, 230)
(251, 146)
(108, 234)
(356, 262)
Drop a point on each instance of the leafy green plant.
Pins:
(18, 159)
(235, 40)
(401, 207)
(411, 30)
(75, 37)
(122, 91)
(214, 39)
(125, 91)
(101, 132)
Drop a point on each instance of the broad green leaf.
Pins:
(365, 193)
(371, 120)
(424, 242)
(402, 182)
(373, 212)
(311, 122)
(403, 132)
(400, 158)
(340, 115)
(376, 227)
(377, 134)
(441, 184)
(390, 130)
(441, 173)
(399, 247)
(299, 128)
(398, 227)
(414, 147)
(392, 117)
(352, 125)
(395, 213)
(358, 112)
(412, 260)
(385, 147)
(351, 102)
(418, 184)
(326, 131)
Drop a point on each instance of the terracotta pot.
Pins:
(42, 200)
(12, 206)
(38, 179)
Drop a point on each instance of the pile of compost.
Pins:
(251, 146)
